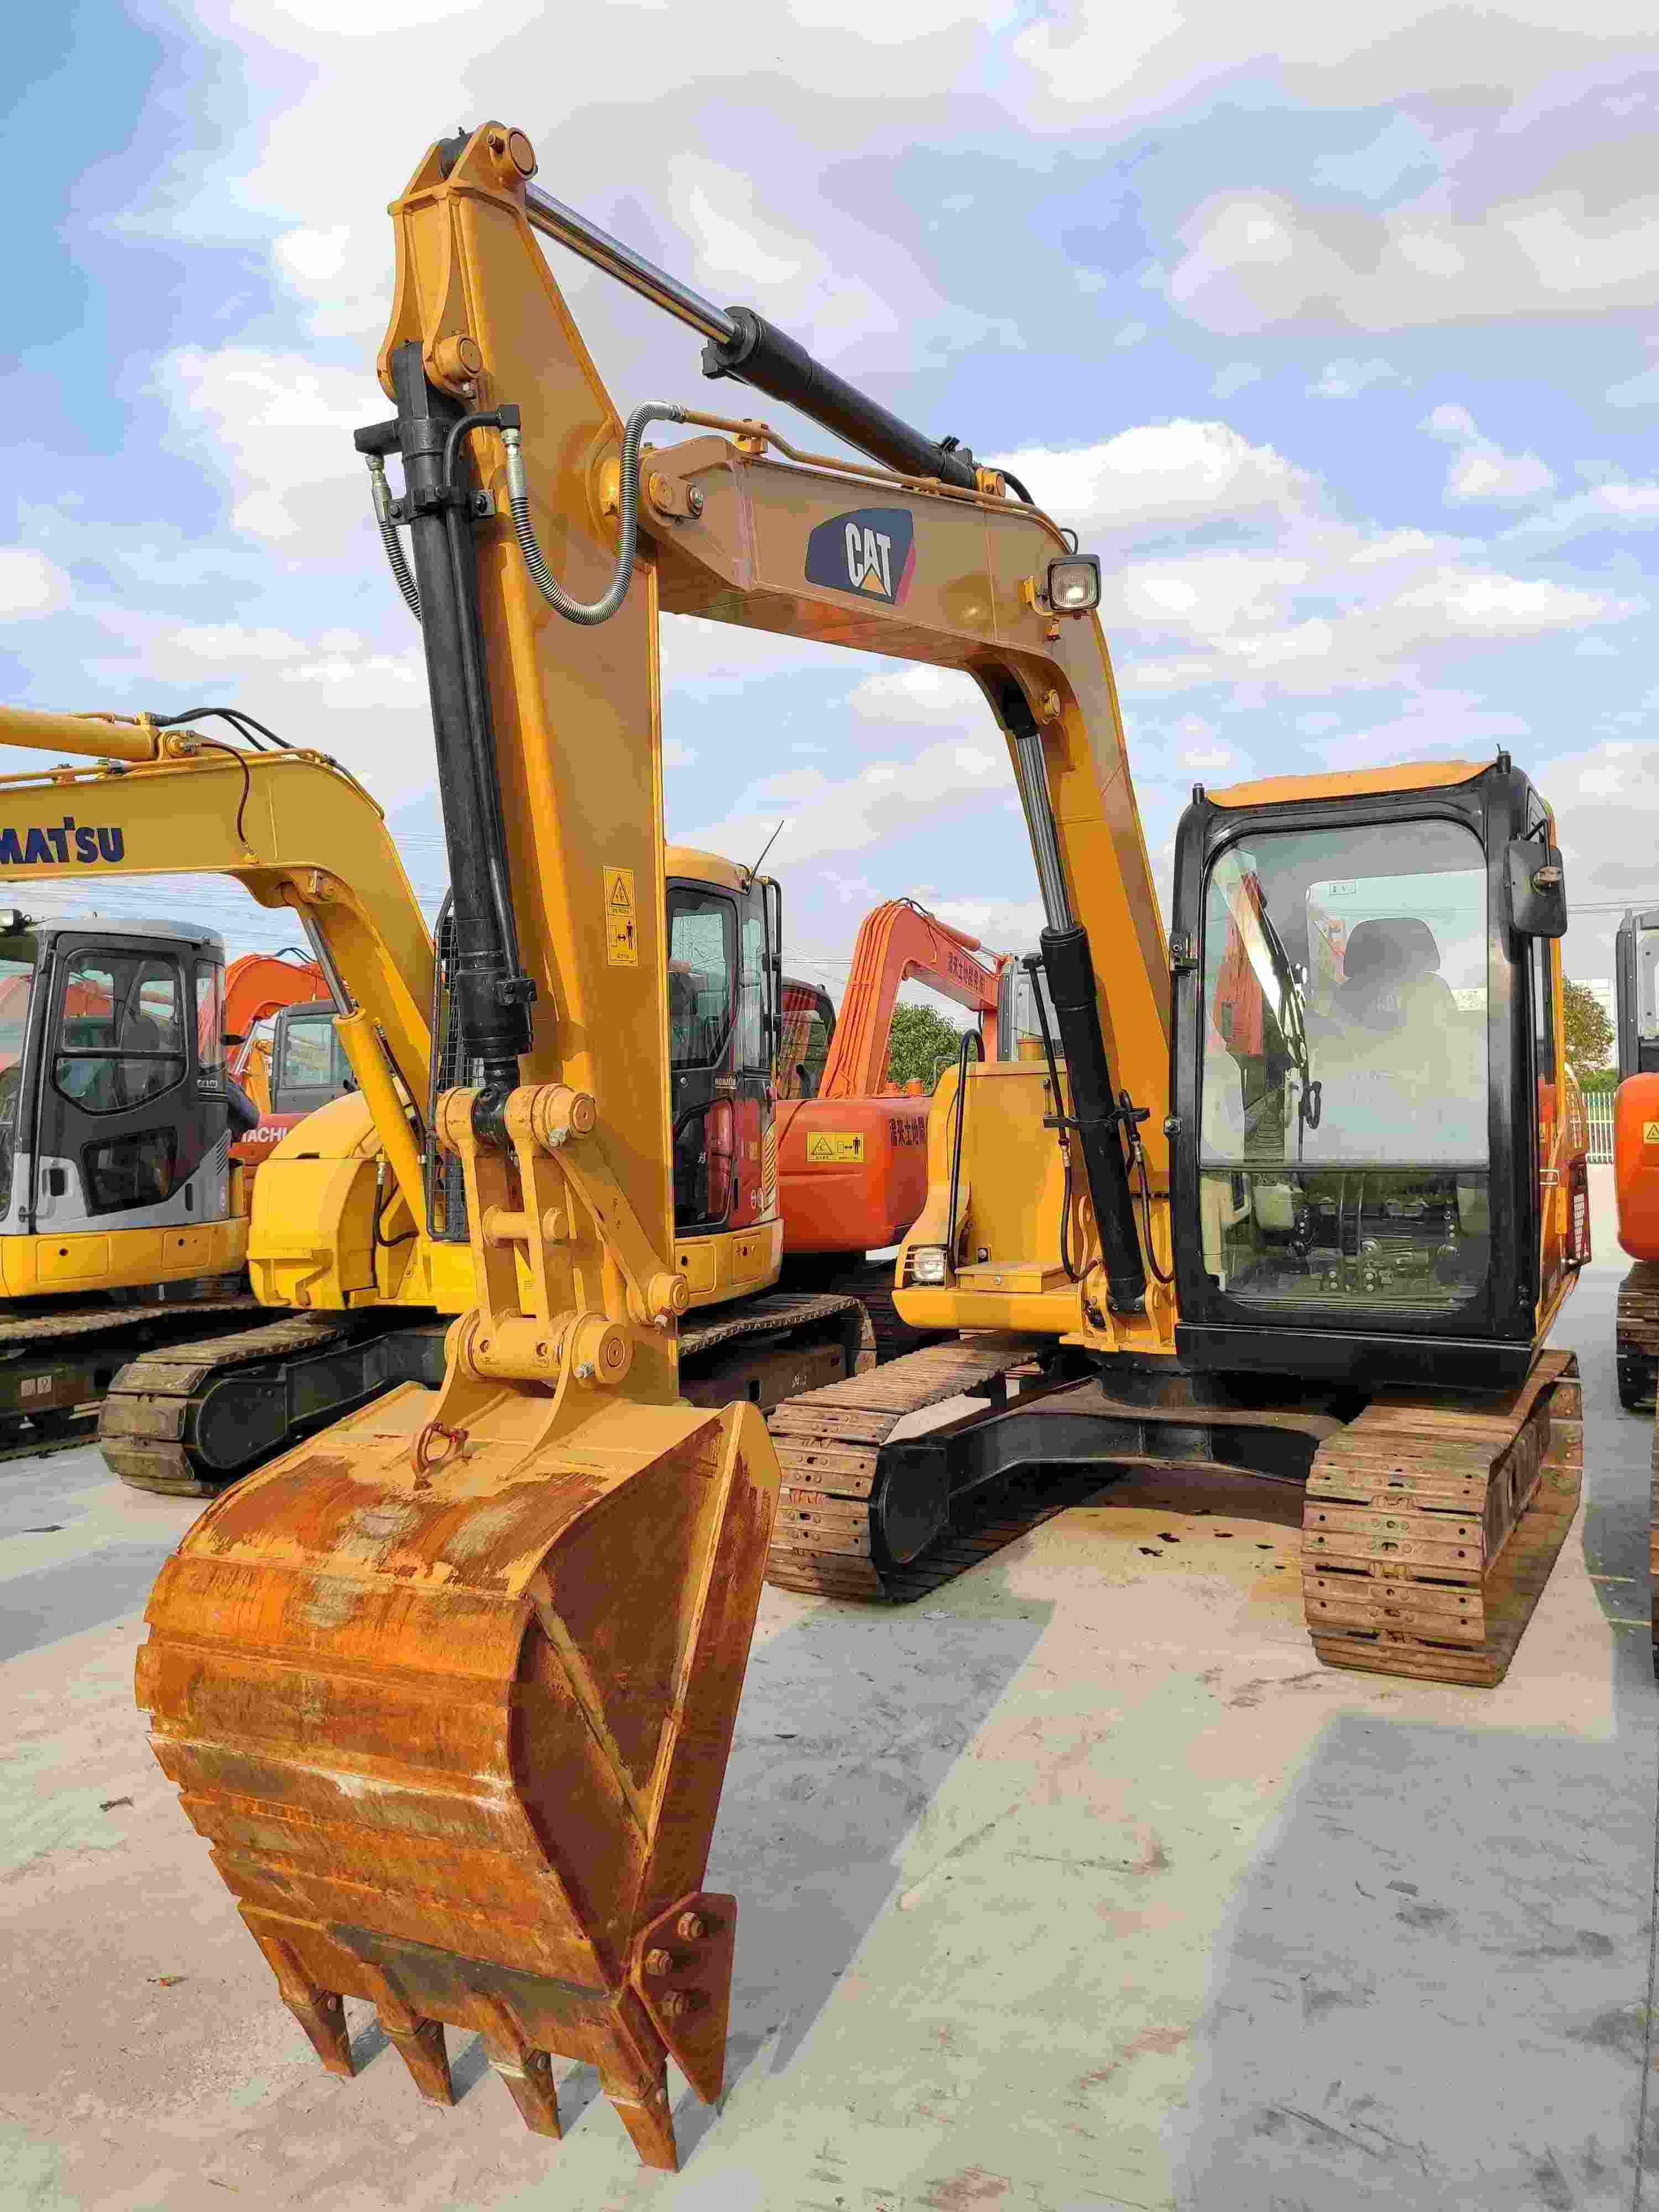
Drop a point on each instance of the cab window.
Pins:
(121, 1034)
(702, 949)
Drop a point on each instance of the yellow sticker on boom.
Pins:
(622, 935)
(1650, 1133)
(835, 1148)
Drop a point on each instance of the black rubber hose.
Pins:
(968, 1037)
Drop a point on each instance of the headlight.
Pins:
(928, 1264)
(1074, 583)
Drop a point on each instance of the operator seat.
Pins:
(1391, 974)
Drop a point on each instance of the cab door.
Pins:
(133, 1129)
(702, 972)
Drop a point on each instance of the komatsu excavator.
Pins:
(450, 1688)
(122, 1205)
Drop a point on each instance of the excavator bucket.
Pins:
(456, 1732)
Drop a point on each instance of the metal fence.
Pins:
(1598, 1106)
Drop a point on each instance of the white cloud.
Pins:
(1001, 924)
(1486, 472)
(31, 586)
(1346, 379)
(1166, 58)
(1486, 604)
(1482, 469)
(1161, 474)
(1254, 260)
(829, 816)
(920, 695)
(1614, 505)
(276, 427)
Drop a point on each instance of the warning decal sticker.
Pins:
(621, 936)
(1650, 1133)
(827, 1148)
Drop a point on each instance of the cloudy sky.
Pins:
(1334, 331)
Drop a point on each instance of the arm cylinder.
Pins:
(768, 358)
(91, 735)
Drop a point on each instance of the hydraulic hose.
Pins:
(380, 493)
(968, 1037)
(593, 611)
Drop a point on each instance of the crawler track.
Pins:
(1430, 1529)
(303, 1370)
(828, 1442)
(57, 1359)
(145, 1426)
(1636, 1340)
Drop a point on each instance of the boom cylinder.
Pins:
(1070, 968)
(491, 996)
(1071, 973)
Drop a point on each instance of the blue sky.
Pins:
(1335, 332)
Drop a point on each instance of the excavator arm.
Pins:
(451, 1687)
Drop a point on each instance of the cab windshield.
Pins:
(702, 958)
(1343, 1138)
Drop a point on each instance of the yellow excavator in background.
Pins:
(368, 1281)
(123, 1199)
(450, 1687)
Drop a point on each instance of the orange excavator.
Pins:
(258, 986)
(852, 1159)
(853, 1147)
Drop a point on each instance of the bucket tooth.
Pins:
(320, 2012)
(420, 2044)
(527, 2072)
(643, 2111)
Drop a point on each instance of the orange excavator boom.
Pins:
(899, 942)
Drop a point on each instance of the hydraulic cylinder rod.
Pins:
(93, 735)
(744, 345)
(1069, 963)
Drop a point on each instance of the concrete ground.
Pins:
(1083, 1886)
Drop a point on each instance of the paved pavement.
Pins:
(1083, 1887)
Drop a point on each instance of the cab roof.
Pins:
(686, 862)
(1348, 783)
(102, 925)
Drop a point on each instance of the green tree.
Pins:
(919, 1039)
(1589, 1033)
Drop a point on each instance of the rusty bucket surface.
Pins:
(458, 1739)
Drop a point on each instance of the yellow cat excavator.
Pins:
(450, 1687)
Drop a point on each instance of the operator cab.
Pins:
(113, 1112)
(1636, 965)
(725, 1031)
(1368, 1057)
(308, 1065)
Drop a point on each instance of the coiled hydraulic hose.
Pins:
(587, 612)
